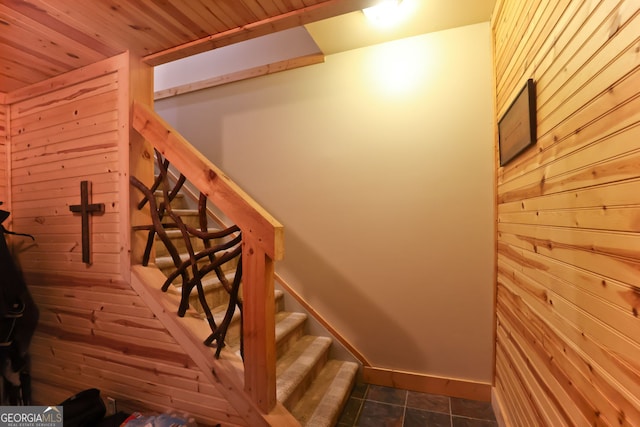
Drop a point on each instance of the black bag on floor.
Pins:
(84, 409)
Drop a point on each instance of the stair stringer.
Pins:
(225, 373)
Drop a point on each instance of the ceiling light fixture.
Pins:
(386, 13)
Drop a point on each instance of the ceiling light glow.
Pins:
(398, 68)
(387, 13)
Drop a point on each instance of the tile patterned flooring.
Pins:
(377, 406)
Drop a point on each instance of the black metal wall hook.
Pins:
(4, 215)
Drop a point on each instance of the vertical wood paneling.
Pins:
(568, 270)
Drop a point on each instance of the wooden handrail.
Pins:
(252, 219)
(262, 244)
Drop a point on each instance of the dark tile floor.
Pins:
(376, 406)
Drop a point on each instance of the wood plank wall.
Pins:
(4, 117)
(59, 139)
(94, 330)
(96, 333)
(568, 264)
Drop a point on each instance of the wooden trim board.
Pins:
(306, 15)
(262, 70)
(427, 384)
(496, 405)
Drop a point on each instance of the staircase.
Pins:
(311, 385)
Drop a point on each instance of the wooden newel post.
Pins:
(259, 326)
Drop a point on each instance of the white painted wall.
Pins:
(386, 193)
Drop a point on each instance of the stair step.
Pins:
(188, 216)
(215, 293)
(175, 236)
(166, 262)
(184, 213)
(159, 193)
(289, 328)
(166, 265)
(312, 387)
(232, 339)
(179, 201)
(298, 367)
(175, 233)
(323, 402)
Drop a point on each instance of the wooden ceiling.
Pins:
(40, 39)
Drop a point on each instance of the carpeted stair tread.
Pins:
(188, 216)
(163, 262)
(324, 400)
(312, 387)
(176, 238)
(159, 193)
(289, 327)
(209, 281)
(232, 339)
(287, 321)
(184, 212)
(219, 311)
(177, 234)
(297, 368)
(214, 292)
(178, 202)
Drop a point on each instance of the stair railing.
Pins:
(194, 197)
(211, 258)
(262, 245)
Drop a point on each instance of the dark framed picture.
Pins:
(517, 128)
